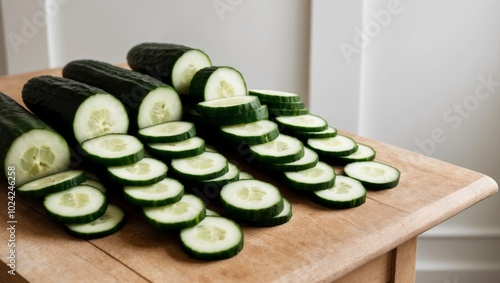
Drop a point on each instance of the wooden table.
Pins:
(375, 242)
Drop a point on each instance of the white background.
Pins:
(404, 84)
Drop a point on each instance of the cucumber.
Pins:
(288, 112)
(290, 105)
(181, 149)
(320, 177)
(254, 115)
(280, 150)
(172, 64)
(75, 109)
(274, 95)
(309, 160)
(362, 153)
(28, 146)
(187, 212)
(228, 106)
(233, 174)
(245, 176)
(149, 101)
(76, 205)
(173, 131)
(339, 145)
(109, 223)
(145, 172)
(167, 191)
(209, 212)
(373, 175)
(330, 132)
(214, 238)
(251, 133)
(114, 149)
(205, 166)
(252, 200)
(304, 123)
(96, 184)
(217, 82)
(52, 183)
(345, 193)
(283, 217)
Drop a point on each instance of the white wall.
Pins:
(419, 63)
(267, 41)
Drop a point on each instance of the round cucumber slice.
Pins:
(288, 112)
(52, 183)
(114, 149)
(173, 131)
(159, 106)
(205, 166)
(339, 145)
(214, 238)
(187, 212)
(373, 175)
(251, 133)
(79, 204)
(330, 132)
(228, 106)
(275, 95)
(345, 193)
(109, 223)
(217, 82)
(283, 149)
(145, 172)
(319, 177)
(304, 123)
(309, 160)
(186, 66)
(362, 153)
(252, 200)
(167, 191)
(181, 149)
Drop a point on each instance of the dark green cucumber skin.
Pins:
(54, 188)
(56, 100)
(156, 59)
(128, 86)
(213, 256)
(338, 204)
(15, 120)
(252, 215)
(97, 235)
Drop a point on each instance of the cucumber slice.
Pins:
(255, 115)
(79, 204)
(251, 133)
(304, 123)
(167, 191)
(187, 212)
(28, 145)
(145, 172)
(173, 64)
(345, 193)
(217, 82)
(96, 184)
(373, 175)
(252, 200)
(173, 131)
(330, 132)
(288, 112)
(228, 106)
(363, 153)
(113, 149)
(209, 212)
(280, 150)
(275, 95)
(320, 177)
(214, 238)
(75, 109)
(284, 105)
(339, 145)
(205, 166)
(53, 183)
(245, 176)
(181, 149)
(109, 223)
(233, 174)
(283, 217)
(309, 160)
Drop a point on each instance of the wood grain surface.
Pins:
(318, 244)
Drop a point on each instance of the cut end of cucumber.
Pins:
(36, 154)
(187, 212)
(159, 106)
(186, 66)
(319, 177)
(114, 149)
(98, 115)
(345, 193)
(373, 175)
